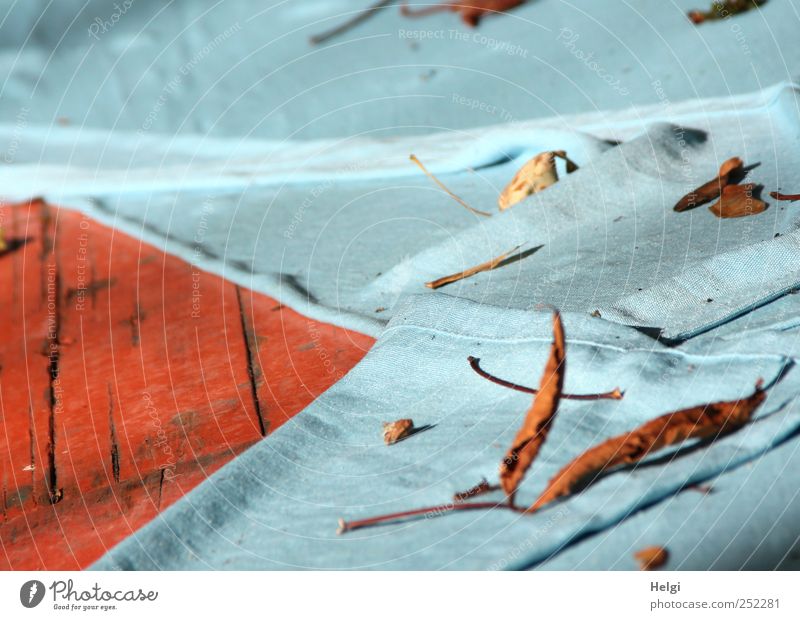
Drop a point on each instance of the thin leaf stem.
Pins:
(350, 23)
(474, 362)
(458, 199)
(429, 512)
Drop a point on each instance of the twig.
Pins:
(430, 511)
(474, 363)
(416, 160)
(405, 11)
(487, 266)
(350, 23)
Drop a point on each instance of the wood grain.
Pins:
(128, 376)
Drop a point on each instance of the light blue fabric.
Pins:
(344, 227)
(214, 131)
(232, 68)
(344, 234)
(748, 521)
(277, 506)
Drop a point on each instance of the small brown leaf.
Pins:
(699, 422)
(534, 429)
(537, 174)
(651, 558)
(722, 9)
(397, 430)
(487, 266)
(712, 189)
(737, 201)
(789, 197)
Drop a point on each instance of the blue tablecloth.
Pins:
(216, 132)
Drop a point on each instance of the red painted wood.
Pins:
(129, 380)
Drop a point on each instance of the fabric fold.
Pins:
(278, 504)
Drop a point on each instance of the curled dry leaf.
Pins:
(720, 9)
(651, 558)
(711, 190)
(472, 11)
(699, 422)
(397, 430)
(487, 266)
(737, 201)
(458, 199)
(534, 429)
(779, 196)
(537, 174)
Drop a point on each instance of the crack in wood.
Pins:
(160, 489)
(249, 345)
(5, 499)
(51, 281)
(113, 433)
(134, 320)
(32, 448)
(91, 288)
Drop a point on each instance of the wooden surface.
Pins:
(126, 377)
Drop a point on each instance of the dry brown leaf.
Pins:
(722, 9)
(458, 199)
(651, 558)
(708, 191)
(3, 244)
(699, 422)
(472, 11)
(534, 429)
(397, 430)
(479, 489)
(737, 201)
(487, 266)
(779, 196)
(537, 174)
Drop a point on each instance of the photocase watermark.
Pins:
(53, 349)
(101, 26)
(690, 180)
(568, 39)
(737, 31)
(184, 71)
(478, 38)
(325, 358)
(67, 597)
(82, 266)
(31, 593)
(527, 544)
(199, 239)
(20, 123)
(483, 106)
(317, 191)
(724, 13)
(169, 462)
